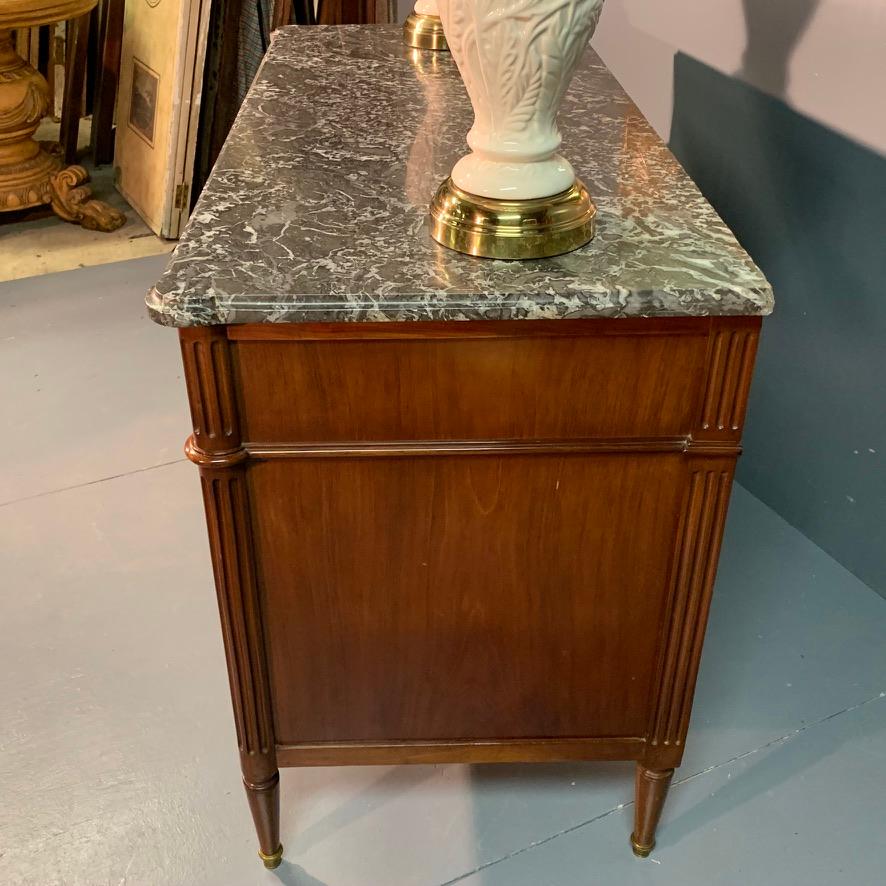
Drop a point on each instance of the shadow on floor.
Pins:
(290, 874)
(392, 784)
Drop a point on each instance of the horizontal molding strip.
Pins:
(468, 329)
(516, 750)
(420, 448)
(462, 447)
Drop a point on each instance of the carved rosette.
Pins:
(516, 58)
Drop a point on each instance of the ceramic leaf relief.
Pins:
(516, 59)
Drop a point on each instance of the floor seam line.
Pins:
(16, 501)
(781, 739)
(535, 844)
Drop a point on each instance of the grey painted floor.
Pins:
(117, 755)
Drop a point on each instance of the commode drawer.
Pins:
(472, 384)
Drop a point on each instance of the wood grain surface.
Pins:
(536, 387)
(464, 596)
(475, 542)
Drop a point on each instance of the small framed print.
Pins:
(143, 101)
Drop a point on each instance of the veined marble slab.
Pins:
(316, 210)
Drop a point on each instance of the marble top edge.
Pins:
(316, 209)
(227, 310)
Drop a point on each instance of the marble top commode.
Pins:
(316, 210)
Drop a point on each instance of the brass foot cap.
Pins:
(273, 860)
(512, 229)
(424, 32)
(640, 850)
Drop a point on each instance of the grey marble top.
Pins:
(316, 209)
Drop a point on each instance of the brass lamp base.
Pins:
(424, 32)
(512, 229)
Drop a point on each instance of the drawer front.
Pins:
(493, 388)
(463, 597)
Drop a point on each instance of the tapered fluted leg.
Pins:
(651, 789)
(264, 802)
(216, 447)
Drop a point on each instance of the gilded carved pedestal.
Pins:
(31, 173)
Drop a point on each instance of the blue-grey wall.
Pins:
(810, 207)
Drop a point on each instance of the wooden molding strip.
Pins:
(462, 447)
(517, 750)
(419, 448)
(480, 329)
(718, 448)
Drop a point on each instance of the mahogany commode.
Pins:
(459, 510)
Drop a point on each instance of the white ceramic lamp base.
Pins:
(517, 58)
(482, 174)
